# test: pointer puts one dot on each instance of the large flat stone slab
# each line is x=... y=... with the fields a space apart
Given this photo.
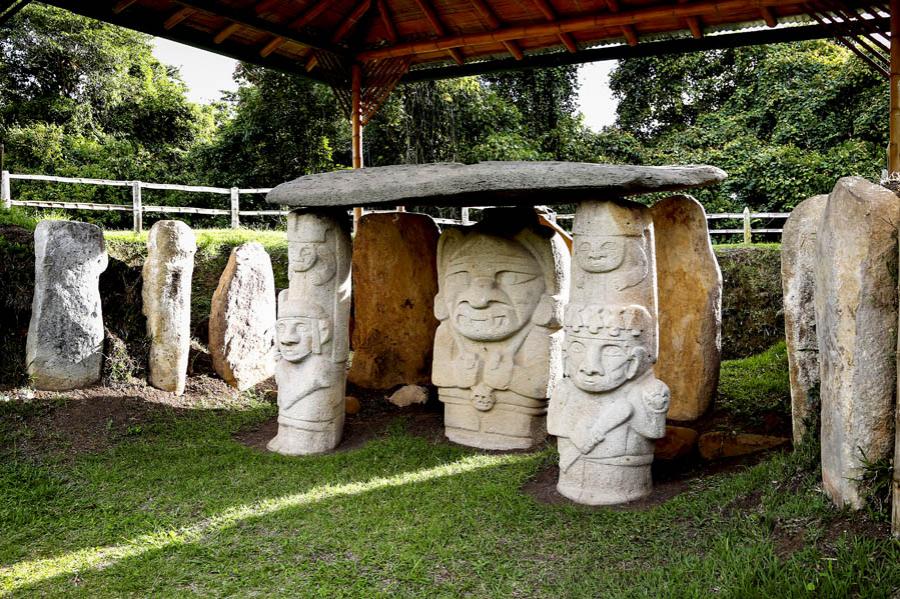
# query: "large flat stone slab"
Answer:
x=499 y=183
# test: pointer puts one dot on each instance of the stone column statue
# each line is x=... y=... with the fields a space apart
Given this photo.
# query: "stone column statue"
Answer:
x=497 y=351
x=312 y=334
x=609 y=407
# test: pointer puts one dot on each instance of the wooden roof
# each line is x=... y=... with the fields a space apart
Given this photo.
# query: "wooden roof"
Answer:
x=427 y=39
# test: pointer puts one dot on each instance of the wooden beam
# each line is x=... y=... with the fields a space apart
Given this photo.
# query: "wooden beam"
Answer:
x=177 y=17
x=273 y=45
x=494 y=23
x=438 y=27
x=312 y=63
x=226 y=32
x=350 y=21
x=584 y=23
x=120 y=6
x=661 y=48
x=248 y=18
x=768 y=16
x=695 y=27
x=388 y=22
x=550 y=14
x=630 y=35
x=894 y=116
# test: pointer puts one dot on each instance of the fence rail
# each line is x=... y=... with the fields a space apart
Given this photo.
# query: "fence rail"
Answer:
x=138 y=208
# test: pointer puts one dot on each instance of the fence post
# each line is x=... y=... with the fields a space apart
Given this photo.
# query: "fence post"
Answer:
x=235 y=209
x=5 y=193
x=137 y=208
x=748 y=235
x=465 y=216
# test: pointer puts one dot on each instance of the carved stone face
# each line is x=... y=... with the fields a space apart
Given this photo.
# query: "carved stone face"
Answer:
x=302 y=255
x=599 y=365
x=602 y=253
x=491 y=289
x=299 y=336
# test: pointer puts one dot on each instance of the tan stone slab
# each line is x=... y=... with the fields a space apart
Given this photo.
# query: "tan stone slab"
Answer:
x=690 y=306
x=394 y=284
x=717 y=445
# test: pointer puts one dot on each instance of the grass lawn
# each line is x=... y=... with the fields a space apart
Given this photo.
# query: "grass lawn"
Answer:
x=178 y=506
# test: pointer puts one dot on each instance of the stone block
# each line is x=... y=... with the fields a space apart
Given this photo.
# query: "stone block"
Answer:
x=242 y=318
x=690 y=306
x=856 y=326
x=798 y=267
x=394 y=284
x=64 y=348
x=678 y=442
x=717 y=445
x=166 y=292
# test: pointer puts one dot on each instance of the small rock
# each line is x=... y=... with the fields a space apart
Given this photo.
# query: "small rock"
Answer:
x=678 y=442
x=352 y=405
x=408 y=395
x=719 y=444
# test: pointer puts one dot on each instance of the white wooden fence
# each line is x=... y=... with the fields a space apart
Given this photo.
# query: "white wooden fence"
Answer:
x=138 y=208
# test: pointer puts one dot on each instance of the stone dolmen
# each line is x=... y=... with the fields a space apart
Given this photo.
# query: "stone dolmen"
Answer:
x=502 y=290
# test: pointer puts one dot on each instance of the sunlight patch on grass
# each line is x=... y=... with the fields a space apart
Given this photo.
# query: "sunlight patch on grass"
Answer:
x=30 y=572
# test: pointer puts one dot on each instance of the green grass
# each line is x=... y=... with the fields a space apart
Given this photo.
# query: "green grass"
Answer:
x=752 y=386
x=179 y=508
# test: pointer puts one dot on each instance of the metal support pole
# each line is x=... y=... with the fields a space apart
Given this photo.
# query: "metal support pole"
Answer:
x=748 y=234
x=894 y=145
x=5 y=192
x=137 y=209
x=356 y=127
x=235 y=209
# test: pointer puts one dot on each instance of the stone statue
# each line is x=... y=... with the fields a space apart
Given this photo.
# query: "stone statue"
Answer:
x=312 y=335
x=497 y=351
x=609 y=407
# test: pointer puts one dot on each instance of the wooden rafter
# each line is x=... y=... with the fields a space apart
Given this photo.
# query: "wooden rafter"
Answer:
x=304 y=19
x=694 y=25
x=438 y=27
x=178 y=16
x=628 y=32
x=389 y=28
x=249 y=18
x=550 y=15
x=120 y=6
x=225 y=32
x=768 y=16
x=874 y=59
x=494 y=23
x=583 y=23
x=350 y=21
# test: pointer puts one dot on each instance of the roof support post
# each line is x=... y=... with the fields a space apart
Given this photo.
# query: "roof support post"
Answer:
x=894 y=146
x=356 y=126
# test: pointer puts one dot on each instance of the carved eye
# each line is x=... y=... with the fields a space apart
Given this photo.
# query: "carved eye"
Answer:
x=576 y=348
x=458 y=277
x=511 y=277
x=585 y=247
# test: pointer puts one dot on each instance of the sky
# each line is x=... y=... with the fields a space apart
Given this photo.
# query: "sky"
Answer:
x=208 y=74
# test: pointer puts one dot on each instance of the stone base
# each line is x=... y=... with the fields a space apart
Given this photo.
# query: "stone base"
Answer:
x=499 y=428
x=592 y=483
x=293 y=440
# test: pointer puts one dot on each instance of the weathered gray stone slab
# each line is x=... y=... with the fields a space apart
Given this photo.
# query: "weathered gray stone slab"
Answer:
x=499 y=183
x=242 y=318
x=798 y=267
x=856 y=324
x=690 y=306
x=171 y=246
x=64 y=349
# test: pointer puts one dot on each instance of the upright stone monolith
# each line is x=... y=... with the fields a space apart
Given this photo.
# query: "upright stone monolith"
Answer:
x=242 y=318
x=394 y=284
x=690 y=306
x=312 y=334
x=609 y=407
x=497 y=352
x=167 y=302
x=856 y=325
x=798 y=267
x=64 y=349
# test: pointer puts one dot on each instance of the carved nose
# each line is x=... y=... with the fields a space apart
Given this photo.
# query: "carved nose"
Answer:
x=481 y=292
x=592 y=365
